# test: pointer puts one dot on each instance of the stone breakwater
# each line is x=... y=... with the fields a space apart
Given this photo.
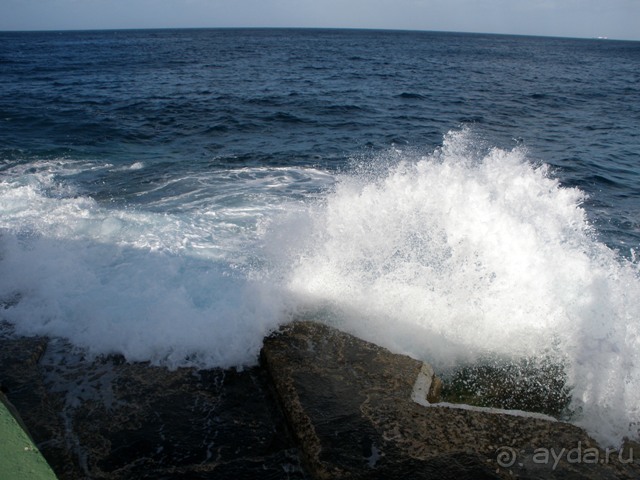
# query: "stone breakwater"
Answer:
x=322 y=404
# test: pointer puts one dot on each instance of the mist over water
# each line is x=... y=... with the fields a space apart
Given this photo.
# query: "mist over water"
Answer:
x=173 y=288
x=450 y=257
x=462 y=255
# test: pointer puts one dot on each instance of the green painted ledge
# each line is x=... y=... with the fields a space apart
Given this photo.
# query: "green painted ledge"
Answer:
x=20 y=459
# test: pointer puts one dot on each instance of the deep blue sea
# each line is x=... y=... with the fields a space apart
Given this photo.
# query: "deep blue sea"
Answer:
x=175 y=195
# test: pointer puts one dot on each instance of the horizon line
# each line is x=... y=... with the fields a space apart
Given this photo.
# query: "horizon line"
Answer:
x=373 y=29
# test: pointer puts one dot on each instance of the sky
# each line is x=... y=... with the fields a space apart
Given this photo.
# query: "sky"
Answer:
x=566 y=18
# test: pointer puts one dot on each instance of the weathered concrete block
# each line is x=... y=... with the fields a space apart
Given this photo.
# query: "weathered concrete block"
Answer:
x=359 y=411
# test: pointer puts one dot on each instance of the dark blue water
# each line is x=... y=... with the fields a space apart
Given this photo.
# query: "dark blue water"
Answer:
x=174 y=195
x=196 y=99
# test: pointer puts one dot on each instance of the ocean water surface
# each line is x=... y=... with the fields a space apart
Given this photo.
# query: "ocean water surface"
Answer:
x=175 y=195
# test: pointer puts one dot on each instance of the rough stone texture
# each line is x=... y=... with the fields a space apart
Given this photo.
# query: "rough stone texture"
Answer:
x=109 y=419
x=349 y=404
x=346 y=402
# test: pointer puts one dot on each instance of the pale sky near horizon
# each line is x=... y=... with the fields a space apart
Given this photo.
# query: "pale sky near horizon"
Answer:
x=566 y=18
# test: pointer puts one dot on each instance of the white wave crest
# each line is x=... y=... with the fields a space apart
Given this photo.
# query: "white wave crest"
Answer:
x=458 y=254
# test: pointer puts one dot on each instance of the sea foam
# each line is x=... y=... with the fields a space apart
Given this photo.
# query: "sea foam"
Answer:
x=464 y=254
x=175 y=289
x=454 y=256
